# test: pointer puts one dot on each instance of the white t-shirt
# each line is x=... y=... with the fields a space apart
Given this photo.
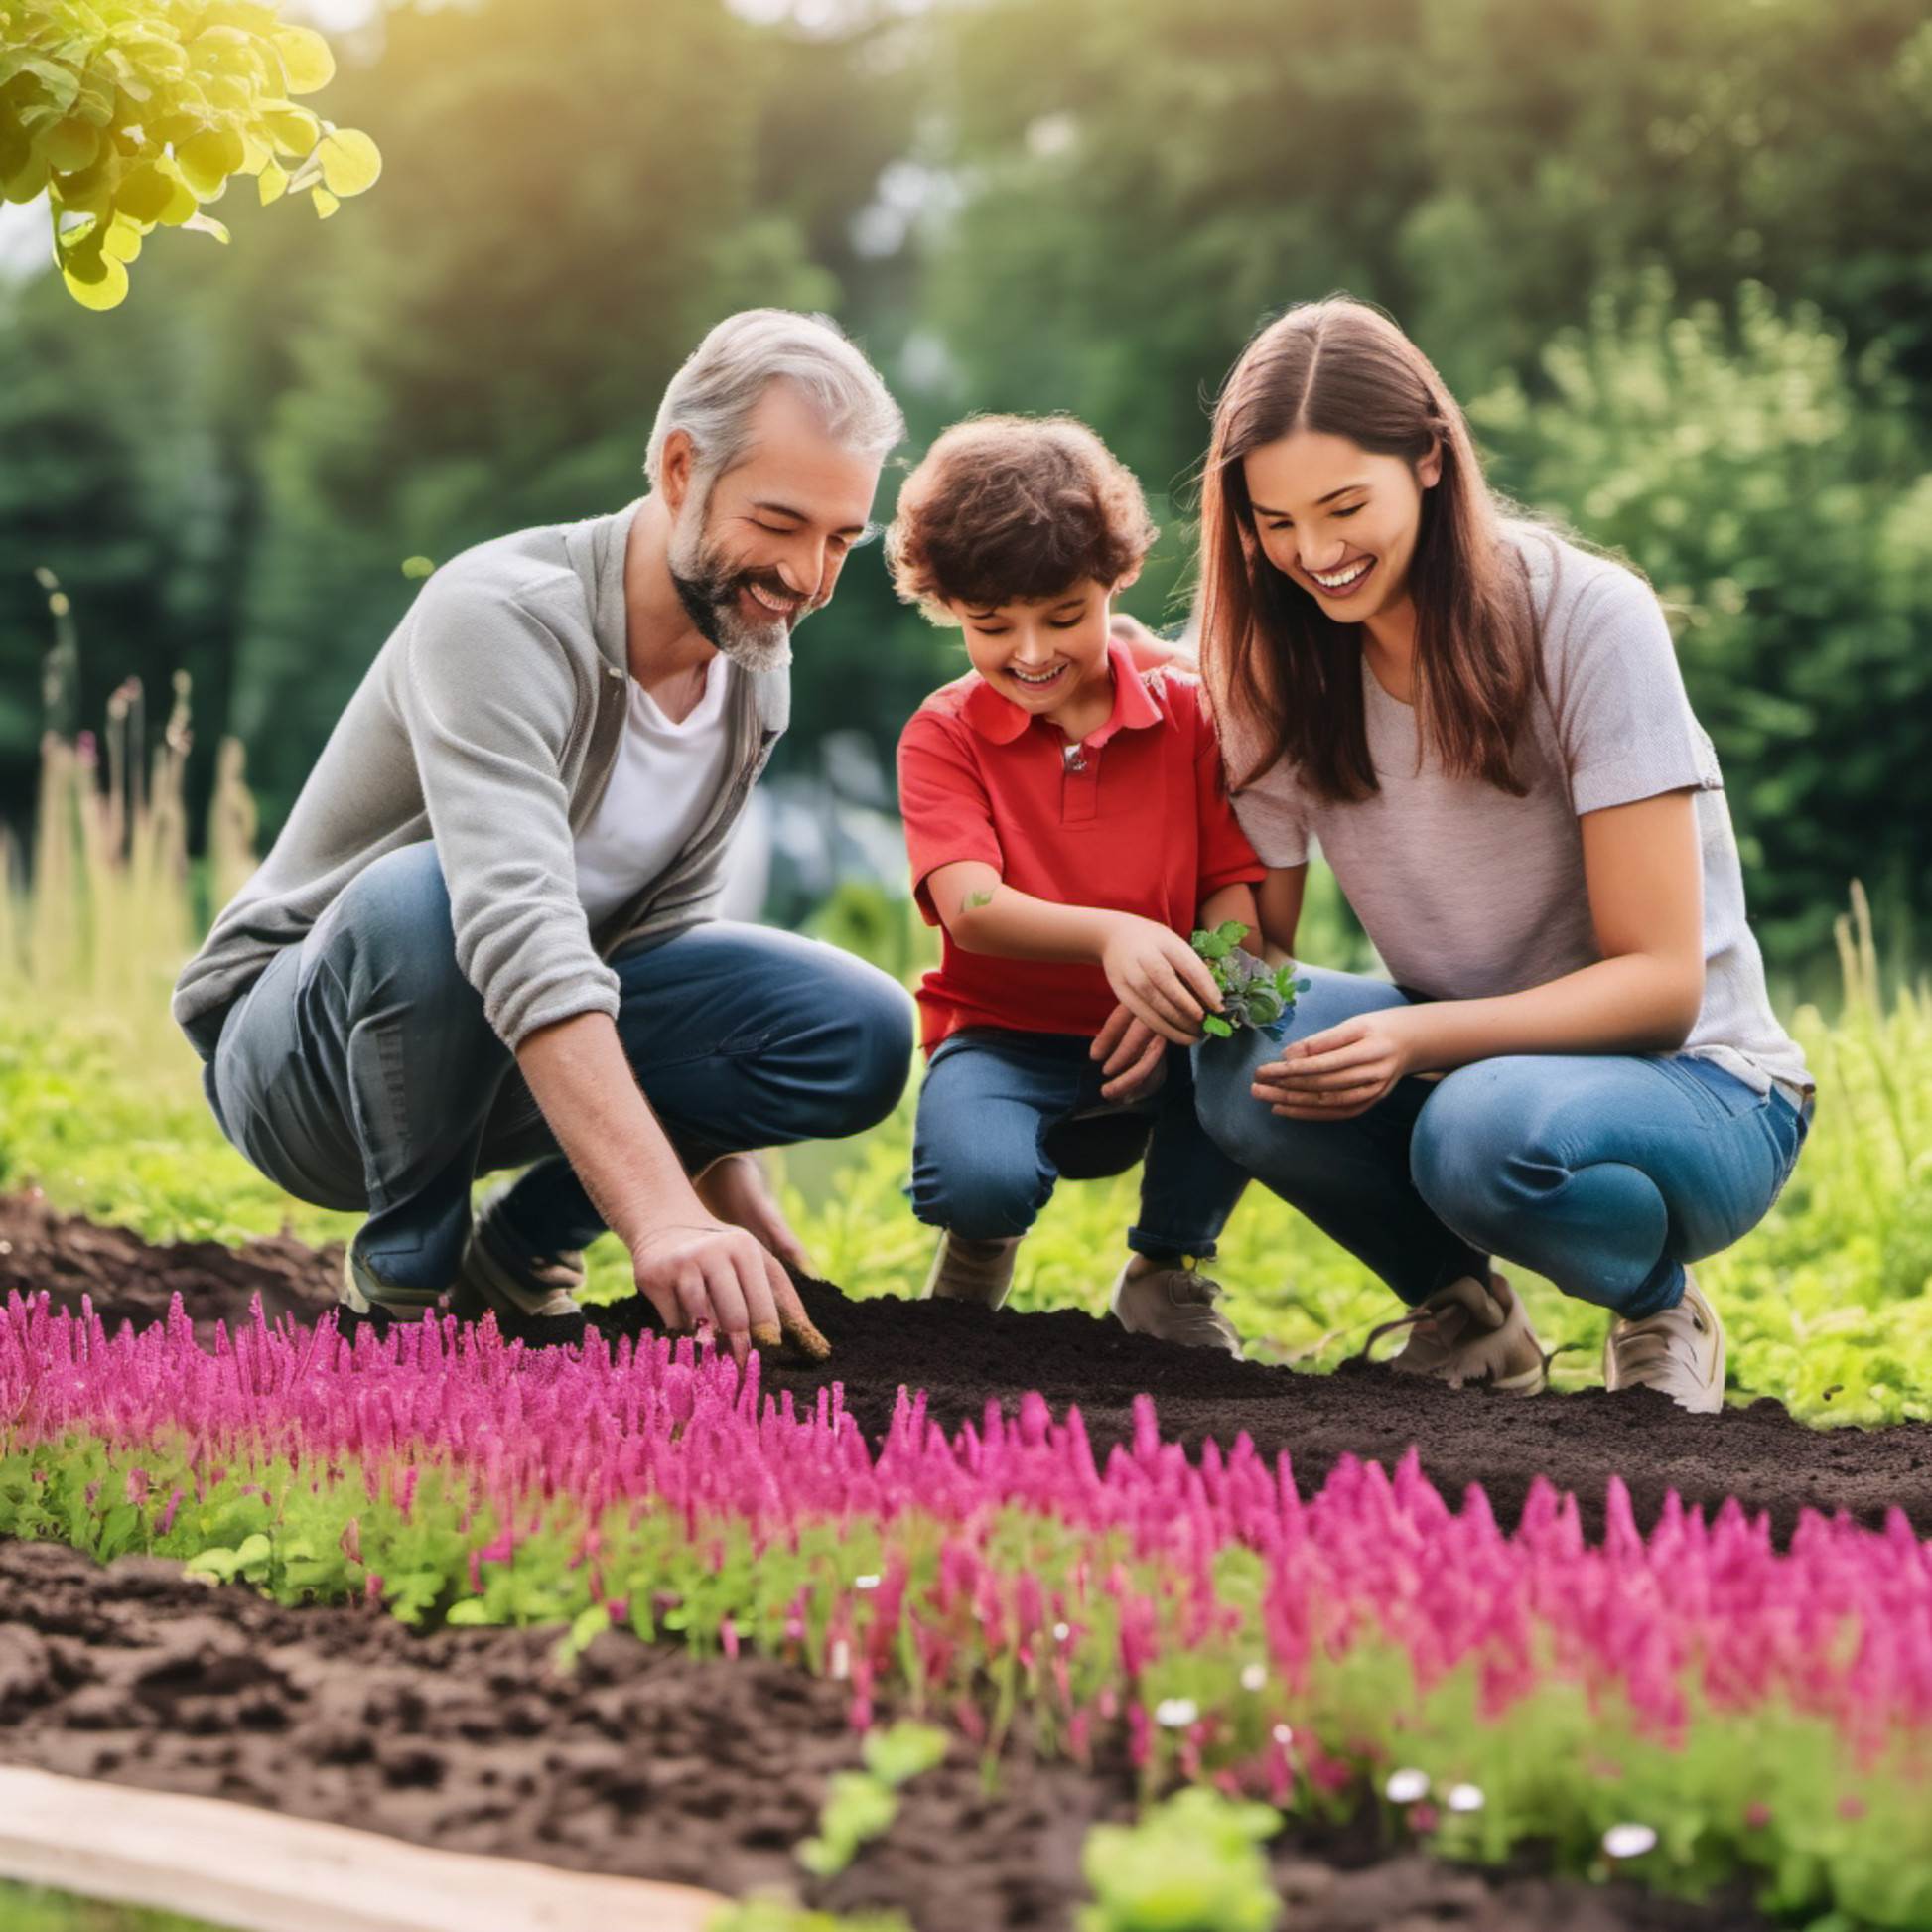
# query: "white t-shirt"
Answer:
x=666 y=779
x=1468 y=892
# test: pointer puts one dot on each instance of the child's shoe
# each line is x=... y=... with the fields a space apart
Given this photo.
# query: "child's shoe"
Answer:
x=1173 y=1302
x=970 y=1270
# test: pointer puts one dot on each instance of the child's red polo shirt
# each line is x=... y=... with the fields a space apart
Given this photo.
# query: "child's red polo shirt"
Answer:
x=1135 y=818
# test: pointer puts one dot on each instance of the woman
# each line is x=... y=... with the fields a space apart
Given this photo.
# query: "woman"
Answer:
x=1576 y=1069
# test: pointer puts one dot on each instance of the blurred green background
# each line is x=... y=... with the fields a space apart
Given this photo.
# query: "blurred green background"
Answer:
x=1675 y=255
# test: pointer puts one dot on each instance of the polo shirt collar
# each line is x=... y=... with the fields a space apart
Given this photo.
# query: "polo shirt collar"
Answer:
x=997 y=718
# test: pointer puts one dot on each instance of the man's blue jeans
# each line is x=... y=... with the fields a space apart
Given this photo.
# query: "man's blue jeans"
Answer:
x=1003 y=1115
x=358 y=1070
x=1604 y=1173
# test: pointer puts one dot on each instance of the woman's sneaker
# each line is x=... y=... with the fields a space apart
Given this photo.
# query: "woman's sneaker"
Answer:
x=1471 y=1332
x=1177 y=1305
x=970 y=1270
x=1680 y=1352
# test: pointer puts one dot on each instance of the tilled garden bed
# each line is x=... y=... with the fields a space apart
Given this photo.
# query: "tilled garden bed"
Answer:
x=642 y=1760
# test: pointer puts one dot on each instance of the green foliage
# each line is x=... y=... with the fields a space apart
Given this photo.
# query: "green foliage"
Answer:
x=1191 y=1864
x=780 y=1915
x=862 y=1804
x=1770 y=485
x=1253 y=992
x=135 y=113
x=36 y=1908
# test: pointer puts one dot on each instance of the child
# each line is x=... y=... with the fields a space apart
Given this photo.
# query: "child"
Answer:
x=1068 y=827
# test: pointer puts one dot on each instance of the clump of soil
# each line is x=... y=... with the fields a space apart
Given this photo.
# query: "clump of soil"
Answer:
x=638 y=1760
x=963 y=1357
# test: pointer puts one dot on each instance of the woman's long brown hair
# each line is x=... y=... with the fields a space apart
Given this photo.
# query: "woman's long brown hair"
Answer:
x=1274 y=659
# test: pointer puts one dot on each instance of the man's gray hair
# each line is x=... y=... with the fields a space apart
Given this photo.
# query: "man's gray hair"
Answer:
x=712 y=397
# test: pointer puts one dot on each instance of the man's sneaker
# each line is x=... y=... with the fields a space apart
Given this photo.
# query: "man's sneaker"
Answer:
x=363 y=1294
x=1175 y=1304
x=1680 y=1352
x=1471 y=1332
x=500 y=1275
x=970 y=1270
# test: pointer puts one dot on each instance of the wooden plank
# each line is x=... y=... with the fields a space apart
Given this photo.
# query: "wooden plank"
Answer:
x=239 y=1865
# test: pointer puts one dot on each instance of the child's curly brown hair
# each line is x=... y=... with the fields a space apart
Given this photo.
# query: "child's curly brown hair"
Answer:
x=1006 y=510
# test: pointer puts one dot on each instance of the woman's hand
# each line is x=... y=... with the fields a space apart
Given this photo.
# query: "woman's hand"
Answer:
x=1343 y=1071
x=1159 y=977
x=1132 y=1056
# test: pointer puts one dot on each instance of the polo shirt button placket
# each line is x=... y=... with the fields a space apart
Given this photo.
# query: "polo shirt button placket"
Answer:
x=1080 y=796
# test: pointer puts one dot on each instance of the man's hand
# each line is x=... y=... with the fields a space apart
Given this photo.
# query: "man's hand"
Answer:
x=1132 y=1054
x=1343 y=1071
x=1159 y=977
x=710 y=1278
x=737 y=1189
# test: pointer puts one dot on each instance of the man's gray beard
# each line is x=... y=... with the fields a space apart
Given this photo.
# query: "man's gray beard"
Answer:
x=709 y=592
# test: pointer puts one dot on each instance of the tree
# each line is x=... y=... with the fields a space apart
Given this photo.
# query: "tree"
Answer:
x=133 y=114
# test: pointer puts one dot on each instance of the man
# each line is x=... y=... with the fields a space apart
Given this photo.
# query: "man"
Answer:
x=486 y=937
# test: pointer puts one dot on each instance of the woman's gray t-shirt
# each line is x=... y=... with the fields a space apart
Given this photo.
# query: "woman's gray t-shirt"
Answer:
x=1468 y=892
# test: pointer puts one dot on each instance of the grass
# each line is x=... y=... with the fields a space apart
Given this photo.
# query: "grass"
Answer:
x=100 y=1108
x=35 y=1908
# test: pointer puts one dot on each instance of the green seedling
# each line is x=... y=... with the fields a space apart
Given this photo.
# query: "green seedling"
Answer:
x=1253 y=992
x=1191 y=1864
x=862 y=1804
x=780 y=1915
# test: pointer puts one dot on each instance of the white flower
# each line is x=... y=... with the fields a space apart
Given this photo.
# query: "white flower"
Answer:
x=1404 y=1787
x=865 y=1582
x=1061 y=1632
x=841 y=1658
x=1465 y=1797
x=1284 y=1737
x=1254 y=1676
x=1176 y=1713
x=1630 y=1840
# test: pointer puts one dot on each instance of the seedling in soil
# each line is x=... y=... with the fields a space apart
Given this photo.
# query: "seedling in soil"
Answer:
x=1191 y=1864
x=862 y=1804
x=1253 y=992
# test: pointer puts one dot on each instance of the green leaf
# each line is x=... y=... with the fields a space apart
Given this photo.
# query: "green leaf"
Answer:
x=305 y=58
x=1219 y=1027
x=70 y=146
x=350 y=161
x=903 y=1751
x=208 y=159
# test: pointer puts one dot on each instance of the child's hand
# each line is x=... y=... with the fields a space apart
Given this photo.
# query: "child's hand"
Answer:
x=1132 y=1056
x=1158 y=976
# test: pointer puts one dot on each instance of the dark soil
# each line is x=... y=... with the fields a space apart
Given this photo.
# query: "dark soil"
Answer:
x=648 y=1763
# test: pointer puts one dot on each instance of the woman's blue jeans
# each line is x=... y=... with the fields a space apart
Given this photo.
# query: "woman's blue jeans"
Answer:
x=1604 y=1173
x=1003 y=1115
x=358 y=1070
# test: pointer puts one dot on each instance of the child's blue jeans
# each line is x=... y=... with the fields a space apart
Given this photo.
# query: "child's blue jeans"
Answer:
x=1003 y=1115
x=1604 y=1173
x=358 y=1070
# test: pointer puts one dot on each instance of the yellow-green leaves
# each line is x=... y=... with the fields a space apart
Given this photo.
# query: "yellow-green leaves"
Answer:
x=350 y=162
x=130 y=114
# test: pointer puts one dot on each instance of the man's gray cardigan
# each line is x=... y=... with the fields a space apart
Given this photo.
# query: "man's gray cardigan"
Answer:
x=490 y=723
